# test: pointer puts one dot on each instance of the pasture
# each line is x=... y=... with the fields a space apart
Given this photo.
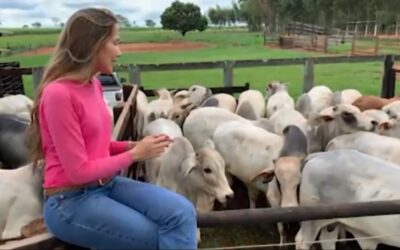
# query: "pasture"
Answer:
x=219 y=44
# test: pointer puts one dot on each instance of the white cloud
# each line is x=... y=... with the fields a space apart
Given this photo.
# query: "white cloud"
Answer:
x=19 y=12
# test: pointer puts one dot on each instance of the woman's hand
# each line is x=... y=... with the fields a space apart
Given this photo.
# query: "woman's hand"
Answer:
x=150 y=147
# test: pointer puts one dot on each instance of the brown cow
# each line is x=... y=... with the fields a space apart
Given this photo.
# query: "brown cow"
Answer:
x=373 y=102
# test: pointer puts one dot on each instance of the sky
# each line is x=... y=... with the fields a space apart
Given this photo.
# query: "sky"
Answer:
x=16 y=13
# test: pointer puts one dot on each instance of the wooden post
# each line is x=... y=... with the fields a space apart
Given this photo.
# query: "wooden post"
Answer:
x=134 y=74
x=353 y=44
x=389 y=78
x=326 y=41
x=228 y=73
x=376 y=30
x=397 y=28
x=366 y=29
x=356 y=28
x=37 y=74
x=347 y=30
x=376 y=50
x=308 y=75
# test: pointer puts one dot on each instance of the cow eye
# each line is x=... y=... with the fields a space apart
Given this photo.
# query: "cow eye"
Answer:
x=207 y=171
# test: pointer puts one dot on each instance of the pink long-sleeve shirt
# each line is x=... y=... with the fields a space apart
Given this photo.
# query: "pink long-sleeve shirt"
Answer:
x=76 y=129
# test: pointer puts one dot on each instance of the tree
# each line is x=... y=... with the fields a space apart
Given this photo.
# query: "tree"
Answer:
x=183 y=17
x=150 y=23
x=25 y=26
x=36 y=24
x=123 y=21
x=55 y=20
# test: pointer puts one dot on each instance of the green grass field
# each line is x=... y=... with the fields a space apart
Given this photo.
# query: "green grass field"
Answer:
x=223 y=45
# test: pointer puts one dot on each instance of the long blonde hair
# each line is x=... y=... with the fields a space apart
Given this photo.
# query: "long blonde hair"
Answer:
x=75 y=54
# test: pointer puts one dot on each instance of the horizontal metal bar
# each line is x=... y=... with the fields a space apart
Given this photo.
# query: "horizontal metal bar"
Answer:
x=295 y=214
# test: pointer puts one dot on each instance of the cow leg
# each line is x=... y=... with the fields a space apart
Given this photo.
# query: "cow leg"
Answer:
x=252 y=192
x=274 y=198
x=329 y=236
x=365 y=244
x=204 y=203
x=308 y=232
x=13 y=223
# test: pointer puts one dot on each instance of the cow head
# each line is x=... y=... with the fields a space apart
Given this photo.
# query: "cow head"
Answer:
x=274 y=87
x=209 y=174
x=347 y=118
x=288 y=176
x=198 y=93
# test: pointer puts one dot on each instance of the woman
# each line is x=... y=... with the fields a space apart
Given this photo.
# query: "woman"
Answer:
x=86 y=204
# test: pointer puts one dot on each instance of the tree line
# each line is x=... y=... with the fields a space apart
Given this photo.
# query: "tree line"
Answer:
x=326 y=13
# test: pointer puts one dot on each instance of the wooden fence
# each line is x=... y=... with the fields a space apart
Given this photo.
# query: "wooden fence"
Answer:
x=135 y=70
x=125 y=129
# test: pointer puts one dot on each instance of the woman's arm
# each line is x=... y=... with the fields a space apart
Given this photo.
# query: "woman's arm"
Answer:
x=117 y=147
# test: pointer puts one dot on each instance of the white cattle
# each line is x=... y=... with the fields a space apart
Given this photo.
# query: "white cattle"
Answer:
x=346 y=96
x=377 y=115
x=251 y=105
x=201 y=123
x=21 y=200
x=221 y=100
x=334 y=121
x=181 y=107
x=159 y=126
x=248 y=151
x=19 y=105
x=282 y=190
x=288 y=116
x=384 y=147
x=315 y=100
x=392 y=109
x=198 y=176
x=160 y=107
x=198 y=93
x=277 y=98
x=181 y=152
x=349 y=176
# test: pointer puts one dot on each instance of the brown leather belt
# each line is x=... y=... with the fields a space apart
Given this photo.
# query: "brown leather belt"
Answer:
x=100 y=182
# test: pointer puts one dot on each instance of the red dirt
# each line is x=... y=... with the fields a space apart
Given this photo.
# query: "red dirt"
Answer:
x=138 y=47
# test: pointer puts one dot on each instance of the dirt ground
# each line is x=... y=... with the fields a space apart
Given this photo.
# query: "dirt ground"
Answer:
x=138 y=47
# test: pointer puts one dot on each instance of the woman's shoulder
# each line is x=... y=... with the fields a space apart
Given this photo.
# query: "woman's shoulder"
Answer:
x=57 y=91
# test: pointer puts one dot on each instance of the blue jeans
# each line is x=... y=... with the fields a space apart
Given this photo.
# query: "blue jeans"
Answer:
x=123 y=214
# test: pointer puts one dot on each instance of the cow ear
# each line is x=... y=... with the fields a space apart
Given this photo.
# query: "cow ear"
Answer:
x=188 y=106
x=325 y=115
x=384 y=126
x=188 y=169
x=264 y=176
x=320 y=119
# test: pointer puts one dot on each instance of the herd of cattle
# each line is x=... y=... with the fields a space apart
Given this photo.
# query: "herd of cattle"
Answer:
x=323 y=148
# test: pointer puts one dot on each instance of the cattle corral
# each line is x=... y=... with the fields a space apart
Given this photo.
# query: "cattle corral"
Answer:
x=125 y=117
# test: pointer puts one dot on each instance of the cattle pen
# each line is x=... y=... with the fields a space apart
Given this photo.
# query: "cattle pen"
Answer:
x=124 y=129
